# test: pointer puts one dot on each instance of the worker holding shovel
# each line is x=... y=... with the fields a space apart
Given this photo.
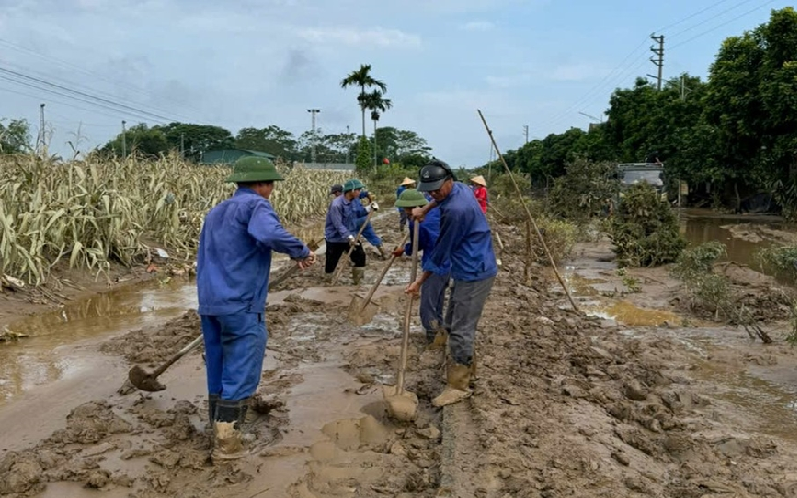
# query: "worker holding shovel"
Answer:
x=433 y=290
x=361 y=210
x=341 y=231
x=233 y=264
x=466 y=242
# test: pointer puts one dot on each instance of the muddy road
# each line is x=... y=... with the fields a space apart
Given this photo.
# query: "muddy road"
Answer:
x=632 y=398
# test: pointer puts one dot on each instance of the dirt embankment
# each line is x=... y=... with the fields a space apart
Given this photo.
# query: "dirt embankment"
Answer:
x=564 y=405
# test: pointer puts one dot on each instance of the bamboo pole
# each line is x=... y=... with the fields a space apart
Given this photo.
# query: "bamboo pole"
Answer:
x=531 y=218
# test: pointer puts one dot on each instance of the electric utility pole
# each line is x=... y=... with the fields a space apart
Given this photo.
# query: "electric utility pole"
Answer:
x=313 y=112
x=658 y=58
x=41 y=138
x=182 y=145
x=526 y=132
x=124 y=139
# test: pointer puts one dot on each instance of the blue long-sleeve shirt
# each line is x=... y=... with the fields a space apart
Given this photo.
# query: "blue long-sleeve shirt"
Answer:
x=234 y=257
x=340 y=222
x=368 y=232
x=428 y=233
x=465 y=239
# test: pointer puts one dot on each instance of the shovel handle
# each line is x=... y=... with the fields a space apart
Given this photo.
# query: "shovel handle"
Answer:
x=405 y=339
x=381 y=276
x=190 y=346
x=351 y=249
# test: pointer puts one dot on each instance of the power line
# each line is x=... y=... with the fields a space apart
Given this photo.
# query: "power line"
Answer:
x=713 y=18
x=691 y=16
x=83 y=94
x=721 y=25
x=87 y=72
x=77 y=98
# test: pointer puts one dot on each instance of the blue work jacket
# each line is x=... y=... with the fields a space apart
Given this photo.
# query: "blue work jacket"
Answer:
x=234 y=257
x=428 y=233
x=465 y=239
x=341 y=220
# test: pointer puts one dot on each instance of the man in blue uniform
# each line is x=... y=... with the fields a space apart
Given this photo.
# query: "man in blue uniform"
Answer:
x=233 y=265
x=465 y=241
x=433 y=290
x=369 y=233
x=340 y=233
x=407 y=183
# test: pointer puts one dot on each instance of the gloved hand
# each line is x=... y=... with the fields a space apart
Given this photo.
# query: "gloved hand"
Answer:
x=397 y=252
x=374 y=206
x=352 y=240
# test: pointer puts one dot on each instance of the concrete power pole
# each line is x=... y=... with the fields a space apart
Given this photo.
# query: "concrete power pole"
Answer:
x=182 y=145
x=41 y=138
x=526 y=132
x=124 y=139
x=313 y=112
x=658 y=58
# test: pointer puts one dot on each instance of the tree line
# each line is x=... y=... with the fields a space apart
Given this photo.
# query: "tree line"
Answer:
x=729 y=137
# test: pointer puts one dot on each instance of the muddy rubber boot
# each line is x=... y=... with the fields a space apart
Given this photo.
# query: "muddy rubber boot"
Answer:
x=458 y=387
x=357 y=275
x=228 y=441
x=439 y=341
x=382 y=252
x=213 y=399
x=245 y=420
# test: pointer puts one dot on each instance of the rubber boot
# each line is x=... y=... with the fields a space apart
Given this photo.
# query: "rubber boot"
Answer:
x=458 y=387
x=245 y=420
x=382 y=252
x=357 y=275
x=228 y=441
x=212 y=402
x=439 y=340
x=328 y=277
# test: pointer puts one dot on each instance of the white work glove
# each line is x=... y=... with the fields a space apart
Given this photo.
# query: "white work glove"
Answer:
x=352 y=241
x=374 y=206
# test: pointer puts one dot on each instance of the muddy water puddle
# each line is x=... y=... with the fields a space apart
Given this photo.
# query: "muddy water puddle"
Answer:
x=53 y=351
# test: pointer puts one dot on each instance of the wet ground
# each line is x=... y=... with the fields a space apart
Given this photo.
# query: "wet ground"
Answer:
x=635 y=399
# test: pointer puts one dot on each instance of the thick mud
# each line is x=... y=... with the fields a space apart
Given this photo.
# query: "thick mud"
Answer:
x=648 y=402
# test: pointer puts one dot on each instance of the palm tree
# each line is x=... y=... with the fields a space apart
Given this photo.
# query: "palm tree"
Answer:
x=362 y=78
x=376 y=102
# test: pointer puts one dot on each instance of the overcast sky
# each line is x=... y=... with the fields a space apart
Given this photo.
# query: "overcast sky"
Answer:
x=238 y=63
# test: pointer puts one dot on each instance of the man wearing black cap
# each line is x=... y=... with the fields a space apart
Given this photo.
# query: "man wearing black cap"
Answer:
x=466 y=242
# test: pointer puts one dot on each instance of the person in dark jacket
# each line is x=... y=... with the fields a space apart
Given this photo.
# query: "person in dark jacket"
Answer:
x=465 y=241
x=433 y=290
x=233 y=264
x=341 y=231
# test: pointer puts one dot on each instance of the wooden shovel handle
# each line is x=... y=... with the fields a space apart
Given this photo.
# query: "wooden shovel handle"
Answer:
x=405 y=340
x=381 y=276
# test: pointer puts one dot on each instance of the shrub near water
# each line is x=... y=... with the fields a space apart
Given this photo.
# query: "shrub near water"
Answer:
x=91 y=213
x=644 y=229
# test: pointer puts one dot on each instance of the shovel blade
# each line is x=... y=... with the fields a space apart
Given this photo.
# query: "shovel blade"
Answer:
x=143 y=380
x=359 y=315
x=401 y=406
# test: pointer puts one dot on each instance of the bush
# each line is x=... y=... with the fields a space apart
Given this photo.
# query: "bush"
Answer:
x=585 y=191
x=781 y=260
x=560 y=237
x=644 y=230
x=703 y=287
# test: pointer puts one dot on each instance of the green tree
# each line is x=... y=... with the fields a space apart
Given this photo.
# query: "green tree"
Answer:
x=271 y=139
x=140 y=140
x=363 y=155
x=363 y=79
x=376 y=102
x=196 y=139
x=15 y=137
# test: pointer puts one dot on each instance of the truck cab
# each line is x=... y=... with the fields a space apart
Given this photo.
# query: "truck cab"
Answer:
x=651 y=173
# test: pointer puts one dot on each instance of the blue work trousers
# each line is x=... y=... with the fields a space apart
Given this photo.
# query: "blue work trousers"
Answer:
x=235 y=346
x=433 y=298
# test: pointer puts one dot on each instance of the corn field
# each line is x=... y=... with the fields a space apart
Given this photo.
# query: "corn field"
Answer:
x=90 y=214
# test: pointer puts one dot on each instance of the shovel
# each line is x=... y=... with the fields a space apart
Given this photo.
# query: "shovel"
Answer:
x=362 y=311
x=403 y=405
x=148 y=381
x=351 y=249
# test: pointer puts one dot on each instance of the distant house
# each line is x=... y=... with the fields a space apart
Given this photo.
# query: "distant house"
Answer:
x=229 y=156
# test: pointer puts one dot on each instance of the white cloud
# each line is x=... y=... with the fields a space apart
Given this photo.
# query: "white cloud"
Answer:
x=478 y=26
x=378 y=37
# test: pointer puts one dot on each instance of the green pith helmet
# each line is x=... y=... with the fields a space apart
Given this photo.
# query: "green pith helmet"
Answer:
x=411 y=198
x=352 y=184
x=253 y=169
